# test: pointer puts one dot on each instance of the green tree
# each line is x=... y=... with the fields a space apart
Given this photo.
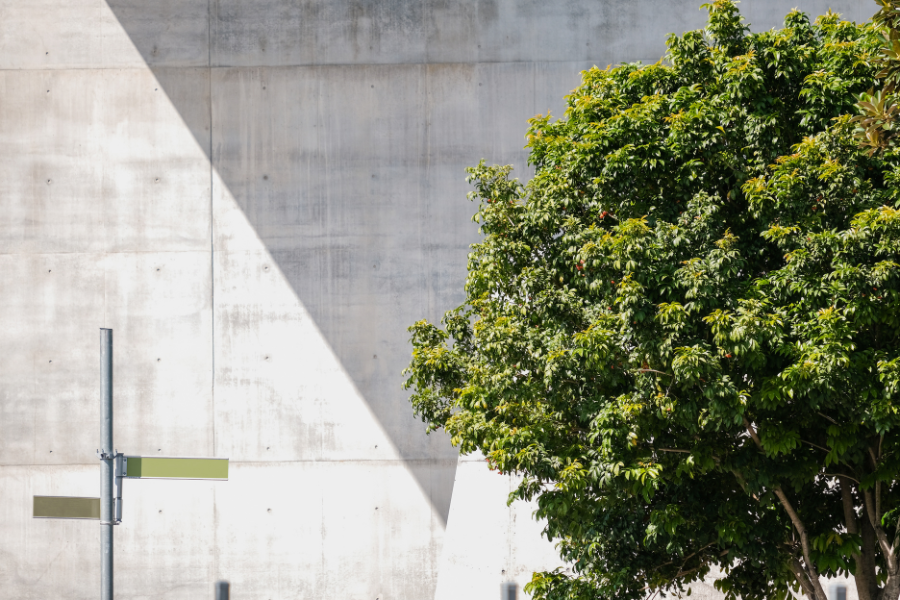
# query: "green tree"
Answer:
x=683 y=330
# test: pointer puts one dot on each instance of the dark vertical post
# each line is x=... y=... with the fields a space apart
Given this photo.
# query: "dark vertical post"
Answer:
x=509 y=591
x=222 y=590
x=107 y=471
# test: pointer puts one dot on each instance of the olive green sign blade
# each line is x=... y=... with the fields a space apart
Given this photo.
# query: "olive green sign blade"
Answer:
x=152 y=467
x=66 y=507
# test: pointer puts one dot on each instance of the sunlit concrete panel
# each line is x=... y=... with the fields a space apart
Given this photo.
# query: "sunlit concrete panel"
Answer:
x=327 y=530
x=164 y=547
x=167 y=545
x=87 y=34
x=488 y=543
x=47 y=558
x=159 y=307
x=100 y=161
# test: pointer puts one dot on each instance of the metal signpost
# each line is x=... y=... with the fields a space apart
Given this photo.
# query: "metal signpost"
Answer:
x=114 y=467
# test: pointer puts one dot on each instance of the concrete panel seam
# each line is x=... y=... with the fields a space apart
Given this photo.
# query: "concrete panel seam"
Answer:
x=645 y=60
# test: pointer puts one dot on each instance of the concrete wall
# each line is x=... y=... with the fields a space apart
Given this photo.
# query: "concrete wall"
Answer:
x=258 y=197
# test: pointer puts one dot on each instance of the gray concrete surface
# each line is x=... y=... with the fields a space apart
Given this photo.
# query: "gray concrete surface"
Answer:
x=258 y=197
x=509 y=545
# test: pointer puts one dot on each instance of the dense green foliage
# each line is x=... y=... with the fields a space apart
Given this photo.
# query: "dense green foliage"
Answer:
x=683 y=331
x=878 y=121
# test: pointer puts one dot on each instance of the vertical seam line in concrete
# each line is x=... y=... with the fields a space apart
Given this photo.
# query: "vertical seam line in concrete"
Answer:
x=212 y=273
x=212 y=246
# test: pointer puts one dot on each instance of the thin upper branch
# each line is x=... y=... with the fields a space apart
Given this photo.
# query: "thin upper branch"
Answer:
x=856 y=481
x=824 y=416
x=753 y=433
x=815 y=445
x=653 y=371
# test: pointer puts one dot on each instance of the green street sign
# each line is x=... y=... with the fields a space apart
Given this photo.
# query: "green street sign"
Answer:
x=66 y=507
x=152 y=467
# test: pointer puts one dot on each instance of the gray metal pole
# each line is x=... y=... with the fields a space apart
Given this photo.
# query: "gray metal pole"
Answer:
x=107 y=471
x=222 y=590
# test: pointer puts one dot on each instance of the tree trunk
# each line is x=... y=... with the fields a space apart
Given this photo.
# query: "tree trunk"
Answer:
x=891 y=590
x=866 y=581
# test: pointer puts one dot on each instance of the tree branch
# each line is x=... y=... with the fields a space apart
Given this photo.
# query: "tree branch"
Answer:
x=686 y=558
x=878 y=514
x=653 y=371
x=815 y=446
x=802 y=579
x=886 y=547
x=896 y=535
x=753 y=433
x=840 y=475
x=824 y=416
x=743 y=483
x=804 y=541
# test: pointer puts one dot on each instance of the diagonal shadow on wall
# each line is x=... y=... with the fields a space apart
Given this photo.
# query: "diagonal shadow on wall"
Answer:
x=342 y=131
x=346 y=173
